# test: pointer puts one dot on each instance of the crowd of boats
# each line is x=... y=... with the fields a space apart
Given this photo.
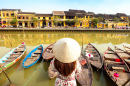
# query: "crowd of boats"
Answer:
x=115 y=63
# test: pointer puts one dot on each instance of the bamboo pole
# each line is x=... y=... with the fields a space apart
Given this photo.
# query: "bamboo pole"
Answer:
x=5 y=73
x=82 y=43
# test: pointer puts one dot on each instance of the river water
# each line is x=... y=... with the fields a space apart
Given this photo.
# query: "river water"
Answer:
x=37 y=75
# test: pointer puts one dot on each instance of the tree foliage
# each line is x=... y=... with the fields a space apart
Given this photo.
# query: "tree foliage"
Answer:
x=67 y=22
x=35 y=20
x=94 y=22
x=56 y=20
x=116 y=20
x=76 y=21
x=100 y=19
x=14 y=21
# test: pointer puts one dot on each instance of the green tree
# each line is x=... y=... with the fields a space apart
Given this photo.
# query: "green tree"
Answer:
x=8 y=22
x=76 y=21
x=35 y=20
x=73 y=22
x=67 y=22
x=94 y=22
x=56 y=20
x=116 y=20
x=100 y=19
x=60 y=22
x=14 y=21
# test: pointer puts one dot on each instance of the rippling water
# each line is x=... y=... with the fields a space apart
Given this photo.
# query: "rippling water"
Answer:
x=37 y=75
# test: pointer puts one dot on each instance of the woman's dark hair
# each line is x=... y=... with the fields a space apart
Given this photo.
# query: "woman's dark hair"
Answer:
x=64 y=69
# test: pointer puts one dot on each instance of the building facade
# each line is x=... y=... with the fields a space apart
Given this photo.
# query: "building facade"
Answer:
x=70 y=18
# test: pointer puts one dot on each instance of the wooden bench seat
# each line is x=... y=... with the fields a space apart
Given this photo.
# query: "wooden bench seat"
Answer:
x=109 y=52
x=9 y=60
x=120 y=68
x=34 y=55
x=124 y=55
x=119 y=51
x=15 y=54
x=127 y=60
x=110 y=56
x=112 y=62
x=38 y=52
x=19 y=50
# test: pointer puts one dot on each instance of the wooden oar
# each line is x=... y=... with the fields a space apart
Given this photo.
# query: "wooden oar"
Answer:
x=5 y=73
x=82 y=43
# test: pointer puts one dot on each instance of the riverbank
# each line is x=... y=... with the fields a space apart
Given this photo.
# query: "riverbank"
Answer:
x=63 y=29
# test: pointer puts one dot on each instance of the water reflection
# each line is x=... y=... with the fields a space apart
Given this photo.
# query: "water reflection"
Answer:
x=37 y=75
x=46 y=65
x=33 y=39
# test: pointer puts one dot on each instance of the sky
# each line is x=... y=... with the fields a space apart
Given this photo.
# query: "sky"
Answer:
x=47 y=6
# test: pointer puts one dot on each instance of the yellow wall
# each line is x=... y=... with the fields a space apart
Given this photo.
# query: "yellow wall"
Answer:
x=6 y=18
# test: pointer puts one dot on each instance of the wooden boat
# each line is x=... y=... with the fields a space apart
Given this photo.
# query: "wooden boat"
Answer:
x=127 y=49
x=33 y=57
x=48 y=52
x=122 y=54
x=94 y=56
x=116 y=68
x=85 y=78
x=12 y=57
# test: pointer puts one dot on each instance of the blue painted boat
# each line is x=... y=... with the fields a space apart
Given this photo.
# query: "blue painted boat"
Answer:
x=12 y=57
x=33 y=57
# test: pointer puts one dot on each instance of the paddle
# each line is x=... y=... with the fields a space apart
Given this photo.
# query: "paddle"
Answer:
x=5 y=73
x=11 y=84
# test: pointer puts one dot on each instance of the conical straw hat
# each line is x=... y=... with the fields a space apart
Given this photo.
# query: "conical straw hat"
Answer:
x=66 y=50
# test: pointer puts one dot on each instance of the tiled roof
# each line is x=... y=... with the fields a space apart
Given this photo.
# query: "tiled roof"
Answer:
x=44 y=15
x=77 y=11
x=69 y=13
x=91 y=13
x=26 y=13
x=58 y=13
x=11 y=9
x=121 y=14
x=80 y=15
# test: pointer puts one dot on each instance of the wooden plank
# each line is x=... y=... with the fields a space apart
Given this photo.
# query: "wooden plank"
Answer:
x=124 y=55
x=127 y=60
x=9 y=60
x=34 y=55
x=38 y=52
x=109 y=52
x=15 y=54
x=119 y=51
x=18 y=50
x=112 y=62
x=121 y=68
x=110 y=56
